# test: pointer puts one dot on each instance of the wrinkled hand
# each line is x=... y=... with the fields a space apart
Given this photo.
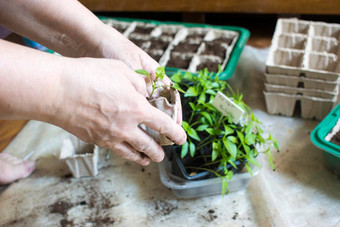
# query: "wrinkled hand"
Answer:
x=116 y=46
x=103 y=102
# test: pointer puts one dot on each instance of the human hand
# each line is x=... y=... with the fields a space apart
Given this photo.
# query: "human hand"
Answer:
x=114 y=45
x=103 y=102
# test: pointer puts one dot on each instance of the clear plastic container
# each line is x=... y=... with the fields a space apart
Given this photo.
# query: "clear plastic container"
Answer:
x=190 y=189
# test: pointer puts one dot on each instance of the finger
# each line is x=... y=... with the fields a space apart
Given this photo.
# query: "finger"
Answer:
x=162 y=123
x=18 y=171
x=137 y=82
x=179 y=109
x=126 y=151
x=144 y=143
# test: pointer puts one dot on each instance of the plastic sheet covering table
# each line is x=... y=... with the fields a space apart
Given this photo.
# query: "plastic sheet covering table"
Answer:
x=301 y=192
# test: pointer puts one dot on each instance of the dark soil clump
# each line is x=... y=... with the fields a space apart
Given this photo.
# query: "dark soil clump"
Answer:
x=60 y=207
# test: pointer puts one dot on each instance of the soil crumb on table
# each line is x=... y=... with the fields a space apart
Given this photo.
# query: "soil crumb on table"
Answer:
x=60 y=207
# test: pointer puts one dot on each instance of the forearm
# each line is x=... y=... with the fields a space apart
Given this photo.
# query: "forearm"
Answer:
x=29 y=83
x=65 y=26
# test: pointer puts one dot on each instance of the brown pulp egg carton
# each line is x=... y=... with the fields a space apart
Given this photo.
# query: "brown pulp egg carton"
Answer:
x=177 y=46
x=305 y=48
x=303 y=65
x=311 y=107
x=80 y=157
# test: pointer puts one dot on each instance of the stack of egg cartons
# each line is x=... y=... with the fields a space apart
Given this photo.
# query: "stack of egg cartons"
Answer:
x=303 y=65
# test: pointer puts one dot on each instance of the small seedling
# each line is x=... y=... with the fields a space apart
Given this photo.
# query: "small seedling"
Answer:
x=160 y=73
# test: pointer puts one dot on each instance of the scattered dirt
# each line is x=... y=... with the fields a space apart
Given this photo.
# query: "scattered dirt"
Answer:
x=60 y=207
x=66 y=223
x=235 y=216
x=164 y=207
x=100 y=221
x=210 y=216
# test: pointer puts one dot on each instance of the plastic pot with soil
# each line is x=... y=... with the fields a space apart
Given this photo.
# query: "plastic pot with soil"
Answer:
x=220 y=143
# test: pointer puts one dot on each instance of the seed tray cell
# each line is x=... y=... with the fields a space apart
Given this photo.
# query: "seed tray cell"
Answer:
x=179 y=43
x=302 y=82
x=311 y=107
x=325 y=45
x=325 y=30
x=293 y=26
x=323 y=62
x=297 y=42
x=201 y=62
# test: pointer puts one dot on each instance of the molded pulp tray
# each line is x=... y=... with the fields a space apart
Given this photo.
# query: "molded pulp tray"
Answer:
x=305 y=48
x=318 y=135
x=191 y=189
x=183 y=46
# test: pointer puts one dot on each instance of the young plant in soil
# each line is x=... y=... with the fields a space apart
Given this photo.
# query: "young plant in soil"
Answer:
x=160 y=73
x=213 y=136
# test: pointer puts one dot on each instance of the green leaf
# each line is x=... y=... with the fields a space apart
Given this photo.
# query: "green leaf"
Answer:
x=192 y=149
x=185 y=125
x=193 y=106
x=184 y=150
x=232 y=163
x=202 y=128
x=160 y=72
x=240 y=136
x=177 y=87
x=191 y=92
x=143 y=72
x=249 y=169
x=215 y=151
x=250 y=139
x=210 y=131
x=225 y=189
x=176 y=78
x=231 y=147
x=201 y=98
x=211 y=92
x=232 y=139
x=270 y=158
x=252 y=160
x=229 y=175
x=207 y=116
x=228 y=130
x=193 y=134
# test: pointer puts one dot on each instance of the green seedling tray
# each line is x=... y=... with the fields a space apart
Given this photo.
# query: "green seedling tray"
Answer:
x=229 y=69
x=331 y=150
